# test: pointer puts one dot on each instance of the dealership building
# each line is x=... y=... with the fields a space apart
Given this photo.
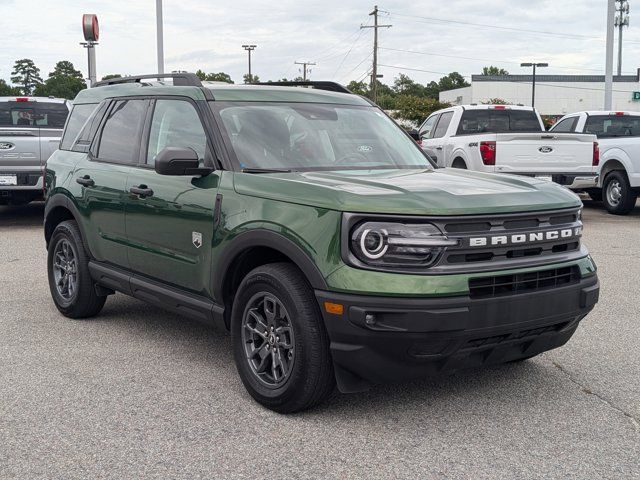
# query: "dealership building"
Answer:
x=556 y=95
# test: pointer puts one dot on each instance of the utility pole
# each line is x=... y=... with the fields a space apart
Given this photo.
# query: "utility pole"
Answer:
x=374 y=71
x=159 y=36
x=249 y=49
x=608 y=73
x=621 y=21
x=304 y=68
x=533 y=82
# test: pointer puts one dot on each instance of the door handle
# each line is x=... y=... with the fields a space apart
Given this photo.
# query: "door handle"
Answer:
x=142 y=191
x=85 y=181
x=438 y=148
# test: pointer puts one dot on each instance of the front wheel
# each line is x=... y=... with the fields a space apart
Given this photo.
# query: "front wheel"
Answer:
x=618 y=196
x=281 y=347
x=72 y=288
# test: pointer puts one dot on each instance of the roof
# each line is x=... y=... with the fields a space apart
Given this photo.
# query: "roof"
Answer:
x=221 y=92
x=554 y=78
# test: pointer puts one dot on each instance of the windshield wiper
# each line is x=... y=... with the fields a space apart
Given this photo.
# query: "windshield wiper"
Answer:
x=266 y=170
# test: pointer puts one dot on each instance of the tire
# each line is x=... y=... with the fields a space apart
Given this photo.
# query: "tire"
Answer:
x=272 y=299
x=459 y=163
x=66 y=248
x=595 y=195
x=618 y=196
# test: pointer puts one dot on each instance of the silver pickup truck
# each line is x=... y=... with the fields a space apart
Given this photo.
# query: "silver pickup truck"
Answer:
x=30 y=131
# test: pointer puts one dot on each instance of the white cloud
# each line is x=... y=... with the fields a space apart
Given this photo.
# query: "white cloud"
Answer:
x=209 y=35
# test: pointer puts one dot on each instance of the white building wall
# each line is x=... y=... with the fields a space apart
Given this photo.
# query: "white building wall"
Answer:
x=552 y=98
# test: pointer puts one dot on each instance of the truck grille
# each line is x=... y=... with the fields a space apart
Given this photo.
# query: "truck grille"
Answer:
x=488 y=287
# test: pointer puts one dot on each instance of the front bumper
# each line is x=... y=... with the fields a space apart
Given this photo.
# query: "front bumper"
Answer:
x=386 y=339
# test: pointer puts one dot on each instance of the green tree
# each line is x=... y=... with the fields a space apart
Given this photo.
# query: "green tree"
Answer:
x=403 y=85
x=214 y=77
x=415 y=109
x=111 y=76
x=495 y=101
x=246 y=78
x=359 y=88
x=64 y=82
x=491 y=70
x=7 y=90
x=26 y=74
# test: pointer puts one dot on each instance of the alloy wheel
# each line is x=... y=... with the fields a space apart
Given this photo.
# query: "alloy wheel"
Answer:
x=267 y=336
x=65 y=270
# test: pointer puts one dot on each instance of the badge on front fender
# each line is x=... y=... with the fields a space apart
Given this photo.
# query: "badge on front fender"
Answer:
x=196 y=238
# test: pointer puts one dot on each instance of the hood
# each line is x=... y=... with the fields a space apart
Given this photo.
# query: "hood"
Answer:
x=413 y=192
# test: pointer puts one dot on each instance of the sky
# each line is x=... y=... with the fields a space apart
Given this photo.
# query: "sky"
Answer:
x=427 y=39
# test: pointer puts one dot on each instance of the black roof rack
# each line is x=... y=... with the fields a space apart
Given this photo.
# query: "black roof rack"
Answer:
x=182 y=79
x=318 y=85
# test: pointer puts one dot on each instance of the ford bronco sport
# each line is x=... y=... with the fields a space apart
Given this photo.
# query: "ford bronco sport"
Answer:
x=312 y=227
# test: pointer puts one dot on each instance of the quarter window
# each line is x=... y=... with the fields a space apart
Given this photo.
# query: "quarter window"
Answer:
x=175 y=124
x=77 y=119
x=120 y=140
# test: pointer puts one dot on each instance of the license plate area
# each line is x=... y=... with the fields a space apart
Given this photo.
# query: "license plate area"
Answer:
x=8 y=180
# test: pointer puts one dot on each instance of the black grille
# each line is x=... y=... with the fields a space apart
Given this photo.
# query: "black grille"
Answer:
x=487 y=287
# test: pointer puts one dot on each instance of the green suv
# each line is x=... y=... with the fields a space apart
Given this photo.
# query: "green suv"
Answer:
x=313 y=228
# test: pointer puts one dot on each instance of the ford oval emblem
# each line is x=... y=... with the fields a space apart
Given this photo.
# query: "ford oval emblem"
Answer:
x=6 y=145
x=365 y=148
x=545 y=149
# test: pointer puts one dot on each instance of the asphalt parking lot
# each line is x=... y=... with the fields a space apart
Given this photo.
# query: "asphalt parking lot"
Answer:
x=139 y=392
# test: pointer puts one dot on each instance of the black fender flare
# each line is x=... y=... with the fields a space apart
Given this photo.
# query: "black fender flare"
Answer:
x=62 y=200
x=261 y=237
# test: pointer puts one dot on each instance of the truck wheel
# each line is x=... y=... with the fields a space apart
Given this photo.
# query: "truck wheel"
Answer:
x=618 y=196
x=280 y=345
x=72 y=288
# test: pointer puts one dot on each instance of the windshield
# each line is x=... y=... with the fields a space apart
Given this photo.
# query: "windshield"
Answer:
x=33 y=114
x=604 y=126
x=306 y=136
x=498 y=121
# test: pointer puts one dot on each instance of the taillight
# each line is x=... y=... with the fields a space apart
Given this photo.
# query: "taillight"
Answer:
x=488 y=152
x=596 y=154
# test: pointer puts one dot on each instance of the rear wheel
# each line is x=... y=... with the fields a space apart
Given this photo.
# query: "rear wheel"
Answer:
x=72 y=288
x=280 y=345
x=618 y=196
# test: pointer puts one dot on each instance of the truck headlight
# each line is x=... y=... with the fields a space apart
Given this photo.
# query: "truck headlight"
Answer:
x=394 y=244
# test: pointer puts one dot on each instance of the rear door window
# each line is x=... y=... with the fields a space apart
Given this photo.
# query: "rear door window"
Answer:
x=31 y=114
x=122 y=131
x=609 y=126
x=565 y=126
x=443 y=125
x=498 y=121
x=427 y=126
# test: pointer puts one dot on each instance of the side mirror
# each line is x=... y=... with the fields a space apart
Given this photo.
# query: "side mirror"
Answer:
x=179 y=161
x=415 y=134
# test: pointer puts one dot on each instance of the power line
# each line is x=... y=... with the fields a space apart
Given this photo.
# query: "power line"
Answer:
x=348 y=52
x=499 y=27
x=419 y=70
x=356 y=67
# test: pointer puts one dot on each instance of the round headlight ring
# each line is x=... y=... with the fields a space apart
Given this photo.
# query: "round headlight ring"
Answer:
x=379 y=238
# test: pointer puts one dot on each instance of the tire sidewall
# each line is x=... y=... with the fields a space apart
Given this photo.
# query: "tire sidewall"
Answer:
x=627 y=201
x=264 y=282
x=59 y=236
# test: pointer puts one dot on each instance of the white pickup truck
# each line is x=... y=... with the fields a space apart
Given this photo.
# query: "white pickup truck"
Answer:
x=507 y=139
x=618 y=134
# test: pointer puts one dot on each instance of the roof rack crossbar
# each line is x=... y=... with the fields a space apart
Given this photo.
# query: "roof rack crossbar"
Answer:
x=182 y=79
x=318 y=85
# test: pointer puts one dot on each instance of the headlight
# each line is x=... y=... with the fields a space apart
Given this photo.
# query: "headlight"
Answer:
x=398 y=244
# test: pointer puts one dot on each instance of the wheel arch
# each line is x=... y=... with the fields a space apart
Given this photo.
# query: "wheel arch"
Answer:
x=610 y=165
x=58 y=209
x=253 y=249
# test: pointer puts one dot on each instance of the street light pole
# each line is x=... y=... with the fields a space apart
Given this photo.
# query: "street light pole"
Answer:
x=608 y=72
x=533 y=82
x=159 y=36
x=249 y=49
